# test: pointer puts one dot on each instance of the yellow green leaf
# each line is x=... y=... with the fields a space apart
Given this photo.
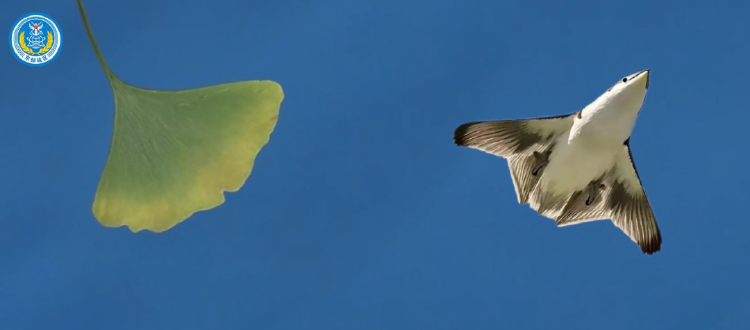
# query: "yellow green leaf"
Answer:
x=175 y=152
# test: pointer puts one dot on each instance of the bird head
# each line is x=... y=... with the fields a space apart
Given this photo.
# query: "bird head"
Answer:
x=629 y=92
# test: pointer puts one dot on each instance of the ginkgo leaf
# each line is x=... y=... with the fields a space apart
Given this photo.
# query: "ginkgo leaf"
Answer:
x=175 y=152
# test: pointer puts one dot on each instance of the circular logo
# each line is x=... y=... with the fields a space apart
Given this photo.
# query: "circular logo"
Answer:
x=36 y=39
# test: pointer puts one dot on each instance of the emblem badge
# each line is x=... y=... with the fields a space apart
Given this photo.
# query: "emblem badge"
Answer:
x=36 y=39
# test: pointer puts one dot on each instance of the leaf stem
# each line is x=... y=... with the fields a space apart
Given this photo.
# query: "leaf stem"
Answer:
x=98 y=52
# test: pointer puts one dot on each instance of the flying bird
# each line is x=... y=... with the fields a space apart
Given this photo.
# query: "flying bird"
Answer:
x=577 y=167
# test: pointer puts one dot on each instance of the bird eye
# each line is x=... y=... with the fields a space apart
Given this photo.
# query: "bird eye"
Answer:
x=625 y=79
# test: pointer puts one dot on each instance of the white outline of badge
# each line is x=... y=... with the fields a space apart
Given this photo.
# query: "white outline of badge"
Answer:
x=15 y=46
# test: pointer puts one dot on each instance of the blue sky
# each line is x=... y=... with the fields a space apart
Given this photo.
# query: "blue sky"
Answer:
x=361 y=213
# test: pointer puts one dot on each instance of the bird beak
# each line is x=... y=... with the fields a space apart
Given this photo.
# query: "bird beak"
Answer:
x=642 y=78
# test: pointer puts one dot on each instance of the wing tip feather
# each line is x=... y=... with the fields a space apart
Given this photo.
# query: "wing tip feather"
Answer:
x=652 y=244
x=462 y=132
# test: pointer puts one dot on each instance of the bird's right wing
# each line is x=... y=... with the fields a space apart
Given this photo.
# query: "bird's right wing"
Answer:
x=629 y=206
x=517 y=141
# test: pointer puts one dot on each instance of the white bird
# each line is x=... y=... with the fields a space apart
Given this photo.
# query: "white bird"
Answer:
x=578 y=167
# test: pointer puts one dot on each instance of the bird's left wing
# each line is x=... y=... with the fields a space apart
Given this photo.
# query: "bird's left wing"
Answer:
x=522 y=142
x=629 y=207
x=506 y=138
